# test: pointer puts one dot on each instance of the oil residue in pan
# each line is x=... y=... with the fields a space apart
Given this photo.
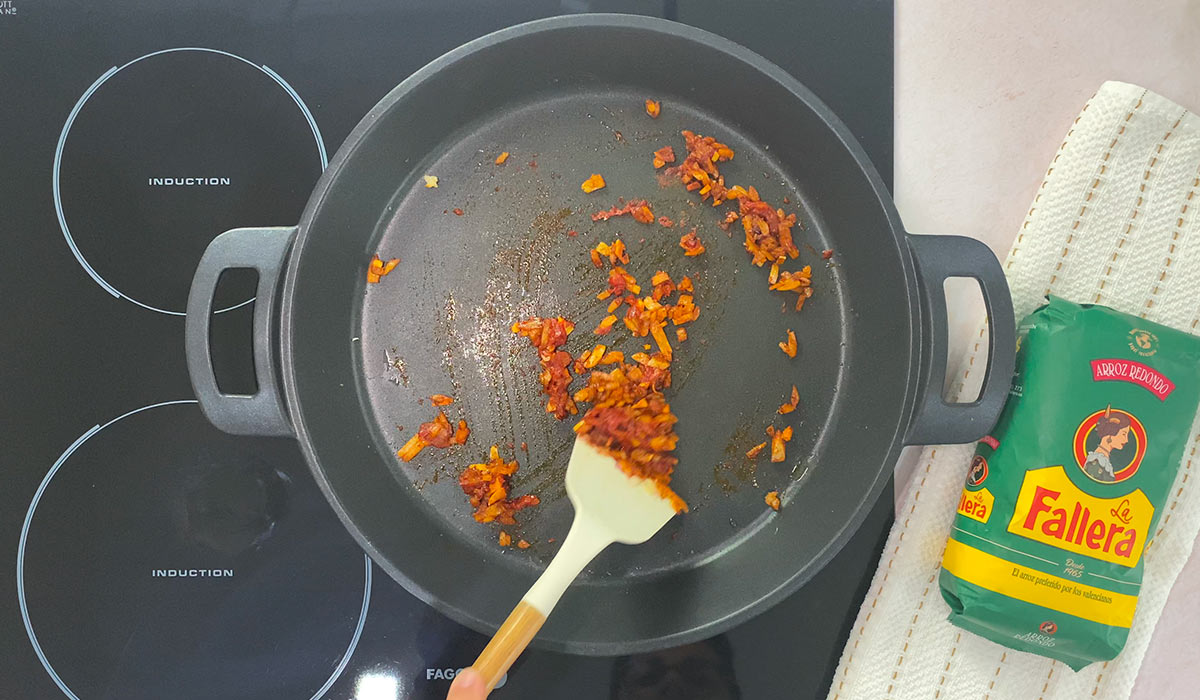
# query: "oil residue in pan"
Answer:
x=446 y=332
x=548 y=477
x=737 y=470
x=395 y=368
x=518 y=285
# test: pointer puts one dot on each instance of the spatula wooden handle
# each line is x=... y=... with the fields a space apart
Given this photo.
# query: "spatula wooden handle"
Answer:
x=508 y=643
x=584 y=541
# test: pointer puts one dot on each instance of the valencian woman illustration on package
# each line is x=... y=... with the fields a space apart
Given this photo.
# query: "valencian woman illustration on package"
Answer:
x=1061 y=501
x=1111 y=432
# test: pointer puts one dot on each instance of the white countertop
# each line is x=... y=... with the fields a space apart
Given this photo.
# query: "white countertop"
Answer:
x=984 y=94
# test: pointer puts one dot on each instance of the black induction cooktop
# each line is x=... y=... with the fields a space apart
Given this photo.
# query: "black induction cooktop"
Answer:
x=148 y=555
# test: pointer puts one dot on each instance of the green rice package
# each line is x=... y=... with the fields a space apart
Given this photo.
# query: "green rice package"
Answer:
x=1064 y=497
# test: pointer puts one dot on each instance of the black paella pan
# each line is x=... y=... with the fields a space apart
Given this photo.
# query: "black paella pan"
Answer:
x=341 y=364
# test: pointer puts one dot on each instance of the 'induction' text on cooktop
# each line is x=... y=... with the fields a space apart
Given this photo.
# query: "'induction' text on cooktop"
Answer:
x=188 y=181
x=191 y=573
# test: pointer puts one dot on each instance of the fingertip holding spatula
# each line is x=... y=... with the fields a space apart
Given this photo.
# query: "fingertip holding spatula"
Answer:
x=610 y=506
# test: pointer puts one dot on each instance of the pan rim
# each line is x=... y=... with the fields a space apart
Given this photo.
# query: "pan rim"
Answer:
x=360 y=136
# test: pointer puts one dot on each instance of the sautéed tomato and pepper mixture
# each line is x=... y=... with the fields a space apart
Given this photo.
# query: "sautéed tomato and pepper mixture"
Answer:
x=626 y=411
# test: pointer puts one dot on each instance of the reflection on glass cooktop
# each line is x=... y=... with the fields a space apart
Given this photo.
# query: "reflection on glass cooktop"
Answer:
x=158 y=557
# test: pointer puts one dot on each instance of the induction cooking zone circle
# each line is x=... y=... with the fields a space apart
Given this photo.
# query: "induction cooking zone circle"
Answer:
x=162 y=558
x=162 y=154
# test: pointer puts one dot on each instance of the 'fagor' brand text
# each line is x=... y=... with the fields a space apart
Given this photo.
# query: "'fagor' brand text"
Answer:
x=448 y=674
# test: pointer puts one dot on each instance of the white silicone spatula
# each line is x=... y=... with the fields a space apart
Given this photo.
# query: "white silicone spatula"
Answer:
x=610 y=506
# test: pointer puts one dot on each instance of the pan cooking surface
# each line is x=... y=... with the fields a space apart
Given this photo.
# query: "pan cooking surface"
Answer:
x=440 y=322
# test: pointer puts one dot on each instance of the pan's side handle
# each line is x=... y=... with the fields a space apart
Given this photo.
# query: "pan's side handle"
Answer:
x=938 y=258
x=264 y=250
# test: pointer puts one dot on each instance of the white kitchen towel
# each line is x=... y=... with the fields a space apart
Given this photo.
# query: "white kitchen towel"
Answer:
x=1116 y=221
